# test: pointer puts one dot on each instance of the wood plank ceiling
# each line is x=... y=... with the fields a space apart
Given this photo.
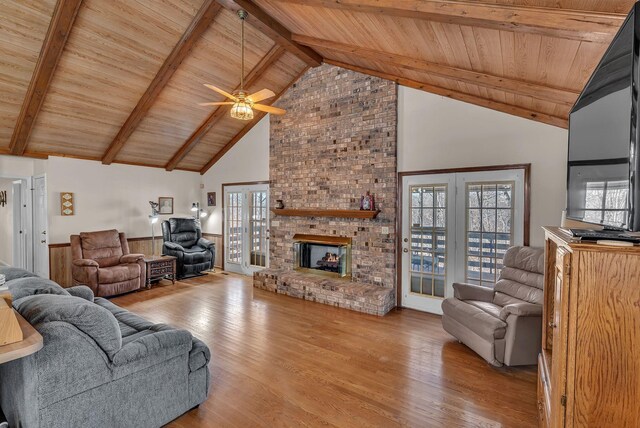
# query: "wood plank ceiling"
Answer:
x=119 y=80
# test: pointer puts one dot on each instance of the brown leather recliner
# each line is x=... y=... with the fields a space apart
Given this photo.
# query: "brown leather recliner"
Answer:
x=502 y=324
x=101 y=261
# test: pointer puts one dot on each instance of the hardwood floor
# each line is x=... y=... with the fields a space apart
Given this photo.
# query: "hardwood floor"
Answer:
x=281 y=361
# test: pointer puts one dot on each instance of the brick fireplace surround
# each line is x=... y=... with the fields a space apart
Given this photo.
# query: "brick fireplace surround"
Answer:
x=336 y=142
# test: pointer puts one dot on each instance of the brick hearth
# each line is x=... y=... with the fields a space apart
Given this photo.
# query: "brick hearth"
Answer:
x=336 y=142
x=359 y=297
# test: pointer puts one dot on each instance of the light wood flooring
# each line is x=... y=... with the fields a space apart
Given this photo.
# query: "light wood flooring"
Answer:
x=281 y=361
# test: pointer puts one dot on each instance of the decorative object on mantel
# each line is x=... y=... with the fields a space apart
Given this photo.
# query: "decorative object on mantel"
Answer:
x=279 y=204
x=317 y=212
x=368 y=202
x=153 y=218
x=66 y=204
x=211 y=199
x=165 y=205
x=3 y=198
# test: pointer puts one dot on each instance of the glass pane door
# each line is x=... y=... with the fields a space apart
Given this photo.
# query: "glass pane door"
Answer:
x=428 y=239
x=489 y=208
x=258 y=228
x=428 y=220
x=246 y=228
x=234 y=232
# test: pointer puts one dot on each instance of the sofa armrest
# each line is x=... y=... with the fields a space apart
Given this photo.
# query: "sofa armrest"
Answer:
x=154 y=344
x=199 y=356
x=131 y=258
x=85 y=263
x=81 y=291
x=463 y=291
x=173 y=246
x=521 y=310
x=205 y=243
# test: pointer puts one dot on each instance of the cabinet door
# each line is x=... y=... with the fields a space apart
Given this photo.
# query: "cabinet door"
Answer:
x=559 y=325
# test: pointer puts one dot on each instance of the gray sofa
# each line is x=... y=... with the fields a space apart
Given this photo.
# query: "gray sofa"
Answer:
x=502 y=324
x=101 y=366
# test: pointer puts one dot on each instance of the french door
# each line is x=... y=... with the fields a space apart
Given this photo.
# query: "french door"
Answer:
x=456 y=228
x=246 y=218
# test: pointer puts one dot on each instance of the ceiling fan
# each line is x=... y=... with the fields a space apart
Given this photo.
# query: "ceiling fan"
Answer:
x=244 y=103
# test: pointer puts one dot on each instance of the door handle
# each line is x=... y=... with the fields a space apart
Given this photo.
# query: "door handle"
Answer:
x=405 y=250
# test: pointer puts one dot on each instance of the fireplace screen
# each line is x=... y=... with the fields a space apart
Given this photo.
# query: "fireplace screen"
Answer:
x=325 y=255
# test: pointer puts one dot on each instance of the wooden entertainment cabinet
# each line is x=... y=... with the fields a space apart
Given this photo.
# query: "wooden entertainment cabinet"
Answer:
x=589 y=367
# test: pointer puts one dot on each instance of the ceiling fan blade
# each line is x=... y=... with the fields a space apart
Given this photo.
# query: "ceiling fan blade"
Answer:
x=269 y=109
x=220 y=91
x=227 y=103
x=261 y=95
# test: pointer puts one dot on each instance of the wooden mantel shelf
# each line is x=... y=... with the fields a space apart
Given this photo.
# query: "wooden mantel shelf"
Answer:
x=317 y=212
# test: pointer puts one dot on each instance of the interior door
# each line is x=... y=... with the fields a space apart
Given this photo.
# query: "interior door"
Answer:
x=40 y=225
x=427 y=233
x=246 y=228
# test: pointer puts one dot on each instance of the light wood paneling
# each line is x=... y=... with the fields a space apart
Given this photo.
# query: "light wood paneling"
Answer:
x=23 y=26
x=60 y=255
x=215 y=59
x=279 y=361
x=205 y=16
x=115 y=49
x=278 y=78
x=560 y=64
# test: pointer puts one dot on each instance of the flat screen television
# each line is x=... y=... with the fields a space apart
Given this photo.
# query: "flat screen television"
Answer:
x=603 y=174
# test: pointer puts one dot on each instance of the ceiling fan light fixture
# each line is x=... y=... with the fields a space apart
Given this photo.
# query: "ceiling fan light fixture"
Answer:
x=242 y=110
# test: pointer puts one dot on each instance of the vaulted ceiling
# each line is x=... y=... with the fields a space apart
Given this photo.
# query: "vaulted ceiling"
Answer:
x=119 y=80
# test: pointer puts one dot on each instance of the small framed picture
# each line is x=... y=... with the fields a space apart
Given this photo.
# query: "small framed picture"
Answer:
x=165 y=205
x=66 y=203
x=211 y=199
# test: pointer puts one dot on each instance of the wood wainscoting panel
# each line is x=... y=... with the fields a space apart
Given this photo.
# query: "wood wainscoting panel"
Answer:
x=60 y=255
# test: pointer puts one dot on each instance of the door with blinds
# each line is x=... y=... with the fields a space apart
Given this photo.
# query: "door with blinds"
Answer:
x=246 y=219
x=456 y=228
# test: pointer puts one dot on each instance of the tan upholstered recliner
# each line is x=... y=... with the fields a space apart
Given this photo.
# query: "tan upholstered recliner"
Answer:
x=504 y=324
x=101 y=261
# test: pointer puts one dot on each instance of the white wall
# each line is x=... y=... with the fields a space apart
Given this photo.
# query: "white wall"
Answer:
x=248 y=160
x=435 y=132
x=6 y=224
x=113 y=196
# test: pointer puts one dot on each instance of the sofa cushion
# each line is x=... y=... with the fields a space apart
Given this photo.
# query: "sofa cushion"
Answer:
x=508 y=292
x=95 y=321
x=488 y=307
x=81 y=291
x=475 y=319
x=104 y=247
x=119 y=273
x=529 y=259
x=11 y=273
x=33 y=285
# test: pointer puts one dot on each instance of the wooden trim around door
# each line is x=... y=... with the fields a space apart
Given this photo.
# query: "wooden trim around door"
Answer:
x=527 y=207
x=240 y=183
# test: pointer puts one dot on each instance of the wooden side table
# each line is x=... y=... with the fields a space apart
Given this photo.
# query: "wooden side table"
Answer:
x=159 y=267
x=31 y=343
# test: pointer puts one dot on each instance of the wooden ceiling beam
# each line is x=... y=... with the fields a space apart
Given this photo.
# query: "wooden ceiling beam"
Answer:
x=201 y=21
x=60 y=26
x=554 y=22
x=258 y=116
x=274 y=30
x=519 y=87
x=254 y=75
x=467 y=98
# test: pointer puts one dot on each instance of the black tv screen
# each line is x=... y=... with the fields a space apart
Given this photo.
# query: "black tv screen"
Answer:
x=602 y=161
